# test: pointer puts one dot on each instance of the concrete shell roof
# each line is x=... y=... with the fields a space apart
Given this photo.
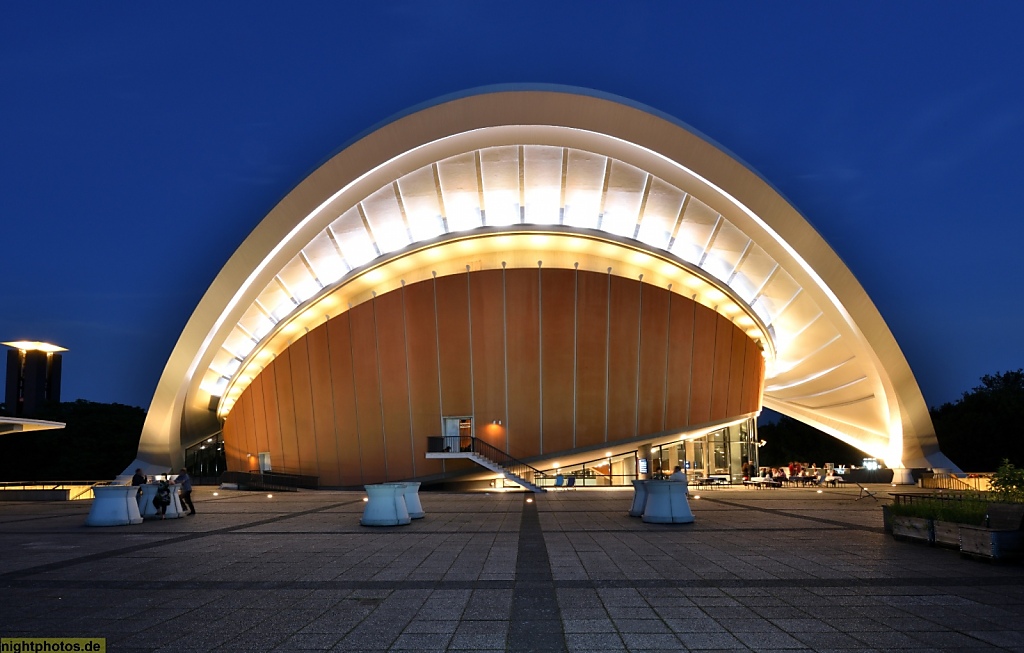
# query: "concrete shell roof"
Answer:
x=522 y=178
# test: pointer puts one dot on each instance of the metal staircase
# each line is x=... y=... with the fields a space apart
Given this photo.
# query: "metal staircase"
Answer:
x=485 y=455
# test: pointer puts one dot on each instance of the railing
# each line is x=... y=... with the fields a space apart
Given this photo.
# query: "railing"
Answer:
x=900 y=498
x=77 y=490
x=274 y=481
x=471 y=444
x=971 y=482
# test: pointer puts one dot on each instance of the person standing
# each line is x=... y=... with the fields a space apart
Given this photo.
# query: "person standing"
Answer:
x=186 y=490
x=139 y=478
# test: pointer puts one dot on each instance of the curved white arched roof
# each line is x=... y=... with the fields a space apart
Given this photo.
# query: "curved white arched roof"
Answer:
x=526 y=178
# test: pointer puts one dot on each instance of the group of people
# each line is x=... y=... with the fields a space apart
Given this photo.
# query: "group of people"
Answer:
x=162 y=499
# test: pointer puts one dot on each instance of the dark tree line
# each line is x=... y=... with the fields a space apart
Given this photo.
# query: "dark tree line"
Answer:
x=977 y=431
x=99 y=441
x=985 y=425
x=789 y=440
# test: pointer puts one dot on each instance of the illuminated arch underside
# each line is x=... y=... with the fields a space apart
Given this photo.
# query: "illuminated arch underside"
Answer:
x=561 y=180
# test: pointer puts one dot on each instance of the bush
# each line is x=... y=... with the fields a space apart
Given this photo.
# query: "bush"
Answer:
x=970 y=510
x=1008 y=483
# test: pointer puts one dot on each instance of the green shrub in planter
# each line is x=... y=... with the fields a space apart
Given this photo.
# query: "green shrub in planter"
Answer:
x=970 y=511
x=1008 y=483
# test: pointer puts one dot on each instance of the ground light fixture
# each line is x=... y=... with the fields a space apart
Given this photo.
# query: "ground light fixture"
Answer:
x=529 y=501
x=270 y=496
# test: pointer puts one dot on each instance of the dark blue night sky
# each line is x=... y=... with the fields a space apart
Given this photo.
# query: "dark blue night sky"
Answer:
x=140 y=143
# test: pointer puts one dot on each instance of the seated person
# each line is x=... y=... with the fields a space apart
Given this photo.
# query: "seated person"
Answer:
x=678 y=475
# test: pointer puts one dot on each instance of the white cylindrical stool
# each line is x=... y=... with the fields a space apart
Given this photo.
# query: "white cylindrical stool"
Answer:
x=412 y=500
x=667 y=504
x=385 y=505
x=114 y=505
x=175 y=510
x=902 y=476
x=639 y=498
x=146 y=507
x=149 y=511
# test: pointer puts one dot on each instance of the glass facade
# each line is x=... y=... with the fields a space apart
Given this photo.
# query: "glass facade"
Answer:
x=206 y=460
x=721 y=453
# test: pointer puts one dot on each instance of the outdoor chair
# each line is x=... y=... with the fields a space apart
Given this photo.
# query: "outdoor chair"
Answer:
x=570 y=483
x=864 y=492
x=559 y=480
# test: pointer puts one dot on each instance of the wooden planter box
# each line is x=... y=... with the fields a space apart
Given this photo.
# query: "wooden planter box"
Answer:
x=915 y=529
x=887 y=519
x=946 y=534
x=989 y=544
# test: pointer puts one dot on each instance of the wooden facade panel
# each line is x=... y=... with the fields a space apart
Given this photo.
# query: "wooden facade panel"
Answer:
x=323 y=407
x=234 y=437
x=753 y=374
x=256 y=388
x=453 y=345
x=723 y=363
x=274 y=445
x=654 y=311
x=680 y=361
x=624 y=339
x=704 y=324
x=421 y=347
x=302 y=393
x=558 y=352
x=591 y=358
x=522 y=324
x=355 y=399
x=391 y=346
x=339 y=337
x=736 y=361
x=487 y=319
x=249 y=421
x=286 y=413
x=367 y=391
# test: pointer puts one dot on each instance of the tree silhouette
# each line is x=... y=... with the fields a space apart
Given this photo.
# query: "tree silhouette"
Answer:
x=985 y=425
x=99 y=441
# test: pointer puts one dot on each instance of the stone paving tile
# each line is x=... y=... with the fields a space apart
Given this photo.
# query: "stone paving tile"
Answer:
x=297 y=572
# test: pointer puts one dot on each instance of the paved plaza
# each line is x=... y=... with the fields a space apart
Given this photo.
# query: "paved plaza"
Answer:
x=759 y=570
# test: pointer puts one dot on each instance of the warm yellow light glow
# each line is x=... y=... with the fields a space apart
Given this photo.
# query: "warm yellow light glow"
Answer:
x=483 y=251
x=34 y=345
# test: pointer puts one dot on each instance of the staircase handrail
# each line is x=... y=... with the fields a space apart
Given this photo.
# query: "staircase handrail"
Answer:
x=473 y=444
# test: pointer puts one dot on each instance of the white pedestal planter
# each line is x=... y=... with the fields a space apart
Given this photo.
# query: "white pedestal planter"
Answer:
x=149 y=511
x=412 y=500
x=114 y=505
x=639 y=498
x=902 y=476
x=667 y=503
x=385 y=505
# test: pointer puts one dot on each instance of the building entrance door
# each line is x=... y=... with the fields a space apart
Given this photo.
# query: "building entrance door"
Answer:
x=458 y=433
